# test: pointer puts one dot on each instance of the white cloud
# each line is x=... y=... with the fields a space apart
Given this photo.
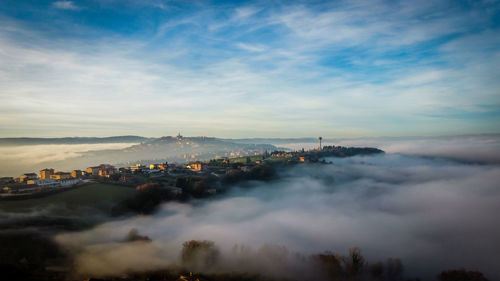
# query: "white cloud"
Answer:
x=65 y=5
x=251 y=48
x=287 y=85
x=245 y=12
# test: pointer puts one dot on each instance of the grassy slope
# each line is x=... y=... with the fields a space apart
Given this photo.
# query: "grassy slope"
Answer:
x=243 y=159
x=91 y=197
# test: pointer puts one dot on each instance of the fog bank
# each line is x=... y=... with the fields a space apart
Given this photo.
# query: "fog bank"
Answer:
x=434 y=214
x=15 y=160
x=483 y=149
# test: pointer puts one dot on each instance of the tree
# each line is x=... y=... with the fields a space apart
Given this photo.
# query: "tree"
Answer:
x=461 y=275
x=354 y=263
x=145 y=201
x=330 y=264
x=199 y=255
x=134 y=235
x=394 y=269
x=376 y=271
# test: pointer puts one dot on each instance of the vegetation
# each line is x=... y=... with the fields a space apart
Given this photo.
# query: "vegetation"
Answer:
x=146 y=199
x=134 y=235
x=338 y=151
x=246 y=160
x=28 y=255
x=199 y=255
x=198 y=259
x=461 y=275
x=259 y=172
x=95 y=197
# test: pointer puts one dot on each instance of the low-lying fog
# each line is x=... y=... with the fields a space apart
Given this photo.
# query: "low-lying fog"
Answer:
x=475 y=148
x=433 y=214
x=15 y=160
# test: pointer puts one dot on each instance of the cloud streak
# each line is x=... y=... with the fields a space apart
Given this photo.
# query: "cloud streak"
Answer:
x=351 y=68
x=65 y=5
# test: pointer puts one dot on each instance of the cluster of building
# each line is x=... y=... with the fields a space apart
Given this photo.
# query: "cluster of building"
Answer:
x=162 y=168
x=103 y=170
x=49 y=179
x=30 y=182
x=152 y=168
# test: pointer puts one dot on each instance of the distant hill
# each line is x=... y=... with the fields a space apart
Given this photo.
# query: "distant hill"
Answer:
x=171 y=149
x=21 y=155
x=274 y=141
x=139 y=139
x=72 y=140
x=179 y=149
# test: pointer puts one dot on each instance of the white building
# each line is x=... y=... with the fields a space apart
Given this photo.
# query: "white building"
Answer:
x=45 y=182
x=54 y=182
x=69 y=182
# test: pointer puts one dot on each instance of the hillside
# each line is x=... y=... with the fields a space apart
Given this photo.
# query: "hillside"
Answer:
x=71 y=140
x=180 y=150
x=94 y=198
x=162 y=149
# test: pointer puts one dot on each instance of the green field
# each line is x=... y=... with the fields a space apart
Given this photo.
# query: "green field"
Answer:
x=279 y=159
x=86 y=199
x=243 y=159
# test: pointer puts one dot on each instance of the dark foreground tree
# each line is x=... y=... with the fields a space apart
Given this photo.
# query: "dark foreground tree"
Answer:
x=134 y=235
x=199 y=255
x=461 y=275
x=145 y=201
x=329 y=264
x=354 y=263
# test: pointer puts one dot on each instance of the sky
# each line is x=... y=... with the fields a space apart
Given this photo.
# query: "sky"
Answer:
x=249 y=68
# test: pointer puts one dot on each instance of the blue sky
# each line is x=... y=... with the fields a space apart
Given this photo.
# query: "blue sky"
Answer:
x=249 y=68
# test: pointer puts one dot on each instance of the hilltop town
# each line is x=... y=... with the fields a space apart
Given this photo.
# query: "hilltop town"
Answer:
x=192 y=179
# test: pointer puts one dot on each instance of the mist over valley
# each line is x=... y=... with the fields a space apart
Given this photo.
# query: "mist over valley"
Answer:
x=423 y=212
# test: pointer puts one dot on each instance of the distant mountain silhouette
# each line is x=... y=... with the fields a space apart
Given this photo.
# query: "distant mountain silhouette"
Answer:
x=171 y=149
x=72 y=140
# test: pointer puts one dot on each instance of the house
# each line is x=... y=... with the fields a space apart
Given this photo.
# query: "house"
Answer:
x=161 y=167
x=106 y=170
x=137 y=168
x=45 y=182
x=28 y=176
x=93 y=171
x=61 y=176
x=197 y=166
x=76 y=174
x=54 y=182
x=46 y=173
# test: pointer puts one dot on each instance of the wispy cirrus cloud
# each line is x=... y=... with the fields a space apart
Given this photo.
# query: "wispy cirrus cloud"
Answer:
x=65 y=5
x=251 y=48
x=352 y=68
